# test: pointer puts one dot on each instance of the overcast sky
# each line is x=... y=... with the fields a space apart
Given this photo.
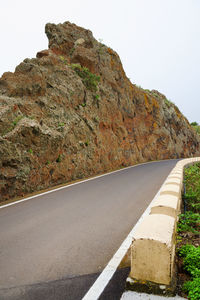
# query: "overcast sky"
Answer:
x=158 y=40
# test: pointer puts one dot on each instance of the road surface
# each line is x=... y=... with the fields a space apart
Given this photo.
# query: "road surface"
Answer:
x=56 y=244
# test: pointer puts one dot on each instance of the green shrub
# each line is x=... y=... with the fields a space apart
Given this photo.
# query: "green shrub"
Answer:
x=188 y=222
x=192 y=288
x=191 y=259
x=89 y=79
x=192 y=184
x=197 y=129
x=194 y=124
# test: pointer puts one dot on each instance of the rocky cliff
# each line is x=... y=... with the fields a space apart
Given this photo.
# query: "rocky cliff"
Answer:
x=71 y=112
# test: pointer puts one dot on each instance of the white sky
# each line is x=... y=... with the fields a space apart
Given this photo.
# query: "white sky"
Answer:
x=158 y=40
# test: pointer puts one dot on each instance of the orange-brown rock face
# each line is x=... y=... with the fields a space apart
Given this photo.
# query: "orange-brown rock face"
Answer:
x=71 y=113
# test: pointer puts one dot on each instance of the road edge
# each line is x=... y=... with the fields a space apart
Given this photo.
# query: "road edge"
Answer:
x=101 y=282
x=51 y=190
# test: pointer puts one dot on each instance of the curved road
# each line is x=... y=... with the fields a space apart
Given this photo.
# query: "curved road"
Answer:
x=57 y=243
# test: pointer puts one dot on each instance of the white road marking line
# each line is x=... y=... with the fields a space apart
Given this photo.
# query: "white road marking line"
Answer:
x=69 y=185
x=101 y=282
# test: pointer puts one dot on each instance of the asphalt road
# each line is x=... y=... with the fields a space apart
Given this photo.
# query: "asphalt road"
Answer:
x=56 y=244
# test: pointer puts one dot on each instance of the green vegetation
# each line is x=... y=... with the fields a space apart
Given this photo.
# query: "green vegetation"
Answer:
x=61 y=124
x=192 y=186
x=188 y=222
x=196 y=127
x=72 y=51
x=13 y=124
x=191 y=261
x=30 y=151
x=58 y=159
x=194 y=123
x=86 y=143
x=168 y=103
x=63 y=59
x=89 y=79
x=17 y=119
x=188 y=229
x=96 y=119
x=192 y=288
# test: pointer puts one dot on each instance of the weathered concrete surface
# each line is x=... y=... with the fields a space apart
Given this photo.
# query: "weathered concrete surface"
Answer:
x=166 y=204
x=152 y=250
x=175 y=180
x=172 y=189
x=59 y=123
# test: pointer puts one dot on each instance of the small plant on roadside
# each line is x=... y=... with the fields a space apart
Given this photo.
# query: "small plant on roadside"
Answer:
x=188 y=229
x=191 y=260
x=192 y=185
x=188 y=222
x=30 y=151
x=192 y=288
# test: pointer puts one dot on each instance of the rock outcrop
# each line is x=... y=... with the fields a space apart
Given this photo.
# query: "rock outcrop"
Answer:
x=71 y=113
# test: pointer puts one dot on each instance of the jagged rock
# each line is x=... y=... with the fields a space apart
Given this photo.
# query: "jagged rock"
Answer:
x=42 y=53
x=71 y=112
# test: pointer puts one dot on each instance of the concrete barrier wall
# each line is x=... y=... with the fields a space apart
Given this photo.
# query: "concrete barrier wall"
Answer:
x=153 y=247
